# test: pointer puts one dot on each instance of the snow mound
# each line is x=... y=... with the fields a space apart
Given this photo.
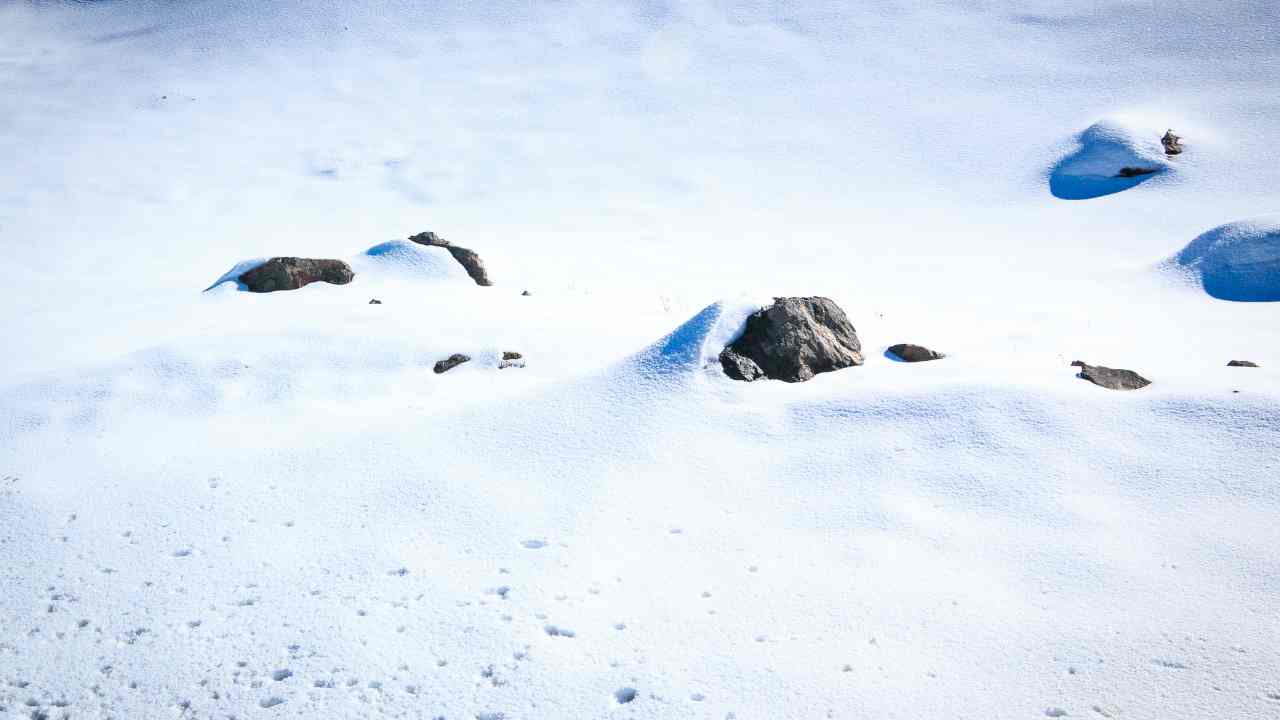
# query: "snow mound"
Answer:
x=233 y=275
x=1238 y=261
x=410 y=261
x=1105 y=153
x=698 y=341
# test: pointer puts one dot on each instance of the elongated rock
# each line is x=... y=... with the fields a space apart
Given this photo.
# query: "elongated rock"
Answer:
x=468 y=259
x=1110 y=378
x=291 y=273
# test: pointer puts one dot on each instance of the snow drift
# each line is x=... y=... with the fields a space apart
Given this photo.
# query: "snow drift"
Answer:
x=1238 y=261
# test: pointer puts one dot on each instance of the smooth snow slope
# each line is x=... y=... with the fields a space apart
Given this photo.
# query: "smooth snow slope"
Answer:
x=221 y=504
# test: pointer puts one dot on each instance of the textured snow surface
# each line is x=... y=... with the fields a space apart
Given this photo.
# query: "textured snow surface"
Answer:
x=220 y=504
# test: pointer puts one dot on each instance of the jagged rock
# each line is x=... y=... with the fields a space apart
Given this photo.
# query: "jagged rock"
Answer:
x=1110 y=378
x=291 y=273
x=511 y=359
x=375 y=301
x=1242 y=363
x=468 y=259
x=451 y=362
x=792 y=340
x=1172 y=143
x=907 y=352
x=1128 y=172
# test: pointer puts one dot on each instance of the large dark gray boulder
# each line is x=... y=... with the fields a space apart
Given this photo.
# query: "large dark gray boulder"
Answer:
x=1110 y=378
x=906 y=352
x=1242 y=363
x=792 y=340
x=291 y=273
x=468 y=259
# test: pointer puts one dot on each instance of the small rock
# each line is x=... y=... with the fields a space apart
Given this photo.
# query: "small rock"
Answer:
x=1128 y=172
x=451 y=362
x=1242 y=363
x=469 y=260
x=291 y=273
x=375 y=301
x=1110 y=378
x=511 y=359
x=526 y=293
x=792 y=340
x=1172 y=143
x=907 y=352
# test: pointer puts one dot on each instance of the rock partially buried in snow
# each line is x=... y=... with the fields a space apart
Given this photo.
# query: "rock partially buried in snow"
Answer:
x=907 y=352
x=792 y=340
x=469 y=260
x=1242 y=363
x=291 y=273
x=1172 y=143
x=375 y=301
x=1110 y=378
x=511 y=358
x=451 y=362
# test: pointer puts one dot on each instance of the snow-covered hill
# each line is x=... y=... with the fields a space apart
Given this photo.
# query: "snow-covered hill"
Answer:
x=227 y=504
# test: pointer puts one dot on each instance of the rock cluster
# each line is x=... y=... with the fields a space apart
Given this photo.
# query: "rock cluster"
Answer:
x=1172 y=143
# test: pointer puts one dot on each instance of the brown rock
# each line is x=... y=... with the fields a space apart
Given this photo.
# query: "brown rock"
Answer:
x=291 y=273
x=468 y=259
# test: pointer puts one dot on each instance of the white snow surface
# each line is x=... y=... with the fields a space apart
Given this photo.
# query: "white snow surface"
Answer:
x=219 y=504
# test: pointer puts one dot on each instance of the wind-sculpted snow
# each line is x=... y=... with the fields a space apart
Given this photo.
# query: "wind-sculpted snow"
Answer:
x=718 y=548
x=1110 y=157
x=1238 y=261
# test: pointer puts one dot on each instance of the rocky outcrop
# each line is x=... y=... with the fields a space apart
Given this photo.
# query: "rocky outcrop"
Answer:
x=468 y=259
x=792 y=340
x=451 y=362
x=375 y=301
x=1172 y=143
x=1110 y=378
x=1242 y=363
x=291 y=273
x=907 y=352
x=511 y=358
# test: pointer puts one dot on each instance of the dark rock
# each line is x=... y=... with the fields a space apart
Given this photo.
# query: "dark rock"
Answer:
x=1242 y=363
x=375 y=301
x=792 y=340
x=468 y=259
x=291 y=273
x=1110 y=378
x=451 y=362
x=907 y=352
x=1128 y=172
x=511 y=359
x=1172 y=143
x=526 y=293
